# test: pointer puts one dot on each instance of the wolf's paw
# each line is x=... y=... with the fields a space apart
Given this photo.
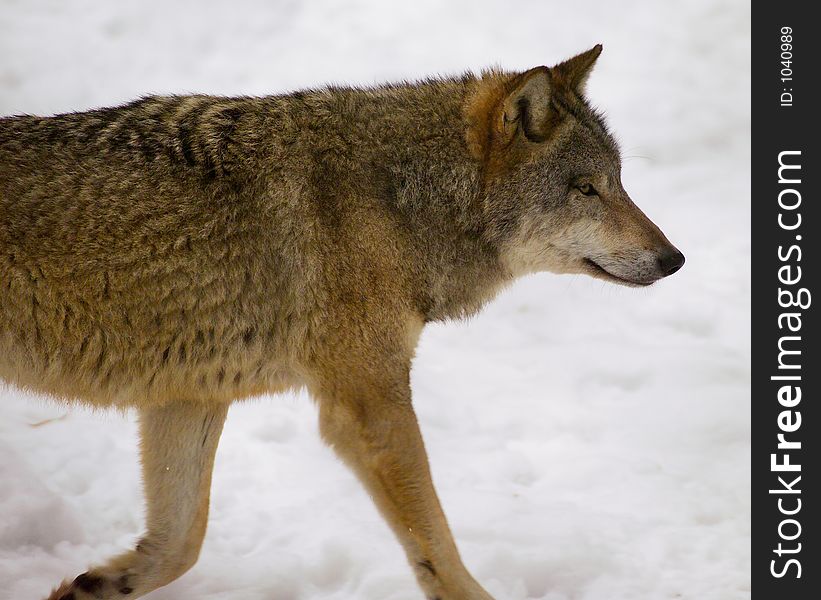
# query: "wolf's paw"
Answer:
x=91 y=586
x=471 y=591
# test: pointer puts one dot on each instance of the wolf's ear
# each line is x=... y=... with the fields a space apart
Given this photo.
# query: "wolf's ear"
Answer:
x=527 y=106
x=573 y=72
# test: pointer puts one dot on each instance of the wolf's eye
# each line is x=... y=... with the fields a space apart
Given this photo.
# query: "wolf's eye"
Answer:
x=587 y=189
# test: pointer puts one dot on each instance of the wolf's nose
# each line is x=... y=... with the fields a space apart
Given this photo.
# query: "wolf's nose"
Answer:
x=670 y=261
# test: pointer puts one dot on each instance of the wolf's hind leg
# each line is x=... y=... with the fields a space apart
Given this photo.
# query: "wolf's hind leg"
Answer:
x=178 y=444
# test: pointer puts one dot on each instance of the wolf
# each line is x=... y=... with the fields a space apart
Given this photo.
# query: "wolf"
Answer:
x=176 y=254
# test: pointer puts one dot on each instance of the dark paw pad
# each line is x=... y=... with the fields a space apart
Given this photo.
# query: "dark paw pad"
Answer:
x=88 y=583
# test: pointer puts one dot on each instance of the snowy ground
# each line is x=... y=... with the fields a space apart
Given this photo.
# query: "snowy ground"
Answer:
x=588 y=441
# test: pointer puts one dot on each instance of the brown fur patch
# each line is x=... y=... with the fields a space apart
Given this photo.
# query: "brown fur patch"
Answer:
x=498 y=144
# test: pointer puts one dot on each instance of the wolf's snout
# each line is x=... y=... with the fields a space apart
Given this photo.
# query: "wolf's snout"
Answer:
x=670 y=261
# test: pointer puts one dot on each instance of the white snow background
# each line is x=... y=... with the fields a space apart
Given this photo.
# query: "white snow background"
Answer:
x=588 y=442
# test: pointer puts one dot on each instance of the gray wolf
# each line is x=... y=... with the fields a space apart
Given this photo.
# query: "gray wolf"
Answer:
x=177 y=254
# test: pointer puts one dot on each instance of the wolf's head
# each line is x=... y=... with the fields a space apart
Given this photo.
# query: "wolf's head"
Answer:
x=552 y=171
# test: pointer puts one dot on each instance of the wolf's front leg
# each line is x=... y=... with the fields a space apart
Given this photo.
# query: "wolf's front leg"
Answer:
x=178 y=443
x=372 y=426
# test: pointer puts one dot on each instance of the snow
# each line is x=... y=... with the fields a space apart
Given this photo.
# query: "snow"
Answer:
x=587 y=441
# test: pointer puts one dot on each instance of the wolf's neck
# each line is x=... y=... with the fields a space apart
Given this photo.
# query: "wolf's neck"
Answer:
x=405 y=145
x=436 y=188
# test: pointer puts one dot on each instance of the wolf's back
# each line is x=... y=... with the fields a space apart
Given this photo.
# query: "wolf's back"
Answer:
x=137 y=244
